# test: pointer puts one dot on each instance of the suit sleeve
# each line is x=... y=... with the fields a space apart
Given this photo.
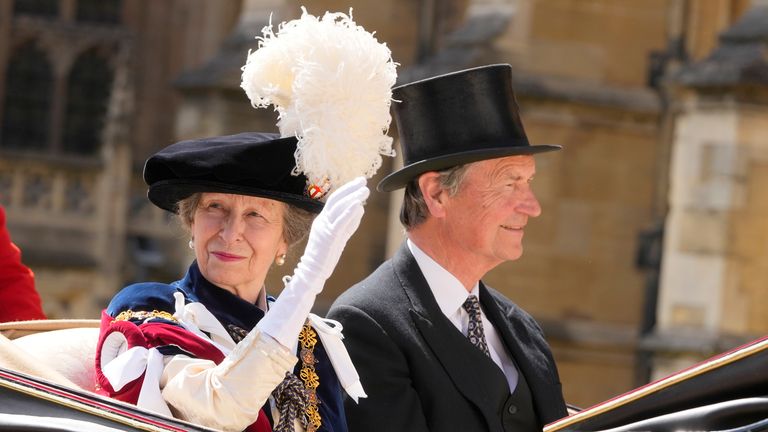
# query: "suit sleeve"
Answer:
x=392 y=403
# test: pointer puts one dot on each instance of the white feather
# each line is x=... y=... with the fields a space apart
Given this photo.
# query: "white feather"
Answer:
x=331 y=84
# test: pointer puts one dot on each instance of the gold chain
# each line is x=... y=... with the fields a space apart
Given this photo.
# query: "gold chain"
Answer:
x=308 y=339
x=144 y=315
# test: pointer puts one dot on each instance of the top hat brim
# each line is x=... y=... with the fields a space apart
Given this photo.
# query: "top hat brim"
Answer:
x=401 y=177
x=166 y=194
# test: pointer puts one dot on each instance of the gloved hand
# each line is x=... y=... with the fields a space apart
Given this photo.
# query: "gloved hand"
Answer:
x=329 y=234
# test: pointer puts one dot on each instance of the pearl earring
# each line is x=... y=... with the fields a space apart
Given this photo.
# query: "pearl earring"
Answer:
x=280 y=259
x=191 y=243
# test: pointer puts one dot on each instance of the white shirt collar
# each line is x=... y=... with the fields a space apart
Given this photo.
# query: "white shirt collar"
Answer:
x=448 y=291
x=450 y=295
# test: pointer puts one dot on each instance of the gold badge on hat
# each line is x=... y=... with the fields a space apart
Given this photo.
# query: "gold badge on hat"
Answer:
x=315 y=191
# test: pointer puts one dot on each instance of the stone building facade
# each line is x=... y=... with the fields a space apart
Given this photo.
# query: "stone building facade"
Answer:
x=85 y=97
x=649 y=255
x=712 y=289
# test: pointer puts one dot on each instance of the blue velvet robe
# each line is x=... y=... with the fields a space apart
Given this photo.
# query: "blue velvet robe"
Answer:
x=231 y=309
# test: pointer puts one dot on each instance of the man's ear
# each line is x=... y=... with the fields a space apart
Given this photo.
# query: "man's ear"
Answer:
x=433 y=193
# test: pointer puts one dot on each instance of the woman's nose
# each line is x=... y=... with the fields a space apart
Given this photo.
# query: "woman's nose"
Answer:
x=232 y=229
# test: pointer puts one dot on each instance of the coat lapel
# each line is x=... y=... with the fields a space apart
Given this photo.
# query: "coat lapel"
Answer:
x=470 y=370
x=516 y=336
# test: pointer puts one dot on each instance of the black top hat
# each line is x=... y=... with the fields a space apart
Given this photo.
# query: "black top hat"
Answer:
x=457 y=118
x=251 y=163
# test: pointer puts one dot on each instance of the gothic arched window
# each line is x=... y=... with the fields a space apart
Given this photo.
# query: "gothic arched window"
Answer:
x=27 y=104
x=47 y=8
x=99 y=11
x=88 y=90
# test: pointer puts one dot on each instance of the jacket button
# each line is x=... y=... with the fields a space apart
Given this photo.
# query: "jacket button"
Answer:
x=512 y=409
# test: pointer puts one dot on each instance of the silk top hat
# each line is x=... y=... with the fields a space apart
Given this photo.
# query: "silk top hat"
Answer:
x=251 y=163
x=457 y=118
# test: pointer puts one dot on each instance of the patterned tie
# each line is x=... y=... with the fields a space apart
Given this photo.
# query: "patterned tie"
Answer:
x=475 y=331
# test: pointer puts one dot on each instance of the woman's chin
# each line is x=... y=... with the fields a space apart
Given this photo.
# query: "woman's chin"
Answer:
x=232 y=280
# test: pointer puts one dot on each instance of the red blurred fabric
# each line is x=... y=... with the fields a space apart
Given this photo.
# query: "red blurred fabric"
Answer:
x=18 y=298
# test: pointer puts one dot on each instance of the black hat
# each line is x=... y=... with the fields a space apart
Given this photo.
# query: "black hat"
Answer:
x=251 y=163
x=457 y=118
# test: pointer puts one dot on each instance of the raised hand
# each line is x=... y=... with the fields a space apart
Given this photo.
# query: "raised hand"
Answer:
x=331 y=230
x=329 y=234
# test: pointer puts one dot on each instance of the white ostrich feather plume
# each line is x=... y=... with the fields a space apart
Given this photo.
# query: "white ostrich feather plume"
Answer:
x=331 y=83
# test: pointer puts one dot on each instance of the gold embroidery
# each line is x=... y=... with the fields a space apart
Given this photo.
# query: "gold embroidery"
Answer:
x=308 y=339
x=144 y=315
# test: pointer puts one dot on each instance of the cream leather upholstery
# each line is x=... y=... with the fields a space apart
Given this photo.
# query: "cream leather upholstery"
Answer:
x=64 y=356
x=70 y=352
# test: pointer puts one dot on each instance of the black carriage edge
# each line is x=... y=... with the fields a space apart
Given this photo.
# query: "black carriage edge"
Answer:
x=728 y=392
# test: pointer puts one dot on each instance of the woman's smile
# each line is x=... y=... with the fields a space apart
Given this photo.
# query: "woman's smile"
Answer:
x=227 y=257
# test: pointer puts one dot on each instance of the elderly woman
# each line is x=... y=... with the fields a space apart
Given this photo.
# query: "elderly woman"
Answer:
x=213 y=348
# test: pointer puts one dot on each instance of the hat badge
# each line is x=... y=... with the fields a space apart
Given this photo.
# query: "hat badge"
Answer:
x=317 y=191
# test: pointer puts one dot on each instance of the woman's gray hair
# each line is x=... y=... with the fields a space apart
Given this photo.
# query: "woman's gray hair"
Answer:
x=296 y=221
x=414 y=210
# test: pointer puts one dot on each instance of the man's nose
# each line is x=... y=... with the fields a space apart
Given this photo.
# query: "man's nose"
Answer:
x=530 y=204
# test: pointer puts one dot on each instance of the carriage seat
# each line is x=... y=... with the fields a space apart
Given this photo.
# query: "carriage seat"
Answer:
x=55 y=349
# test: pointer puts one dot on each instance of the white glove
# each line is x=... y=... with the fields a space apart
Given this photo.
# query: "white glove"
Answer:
x=329 y=234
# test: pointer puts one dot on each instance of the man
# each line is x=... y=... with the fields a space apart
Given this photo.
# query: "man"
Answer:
x=436 y=348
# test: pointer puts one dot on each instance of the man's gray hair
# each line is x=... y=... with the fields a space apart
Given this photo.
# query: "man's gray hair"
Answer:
x=296 y=221
x=414 y=210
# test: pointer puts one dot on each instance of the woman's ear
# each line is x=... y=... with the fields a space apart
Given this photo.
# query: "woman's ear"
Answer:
x=433 y=193
x=282 y=247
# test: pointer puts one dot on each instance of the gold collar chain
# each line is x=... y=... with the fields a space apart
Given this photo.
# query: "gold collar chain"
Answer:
x=308 y=339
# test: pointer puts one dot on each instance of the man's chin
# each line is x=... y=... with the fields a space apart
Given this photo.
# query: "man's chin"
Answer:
x=513 y=255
